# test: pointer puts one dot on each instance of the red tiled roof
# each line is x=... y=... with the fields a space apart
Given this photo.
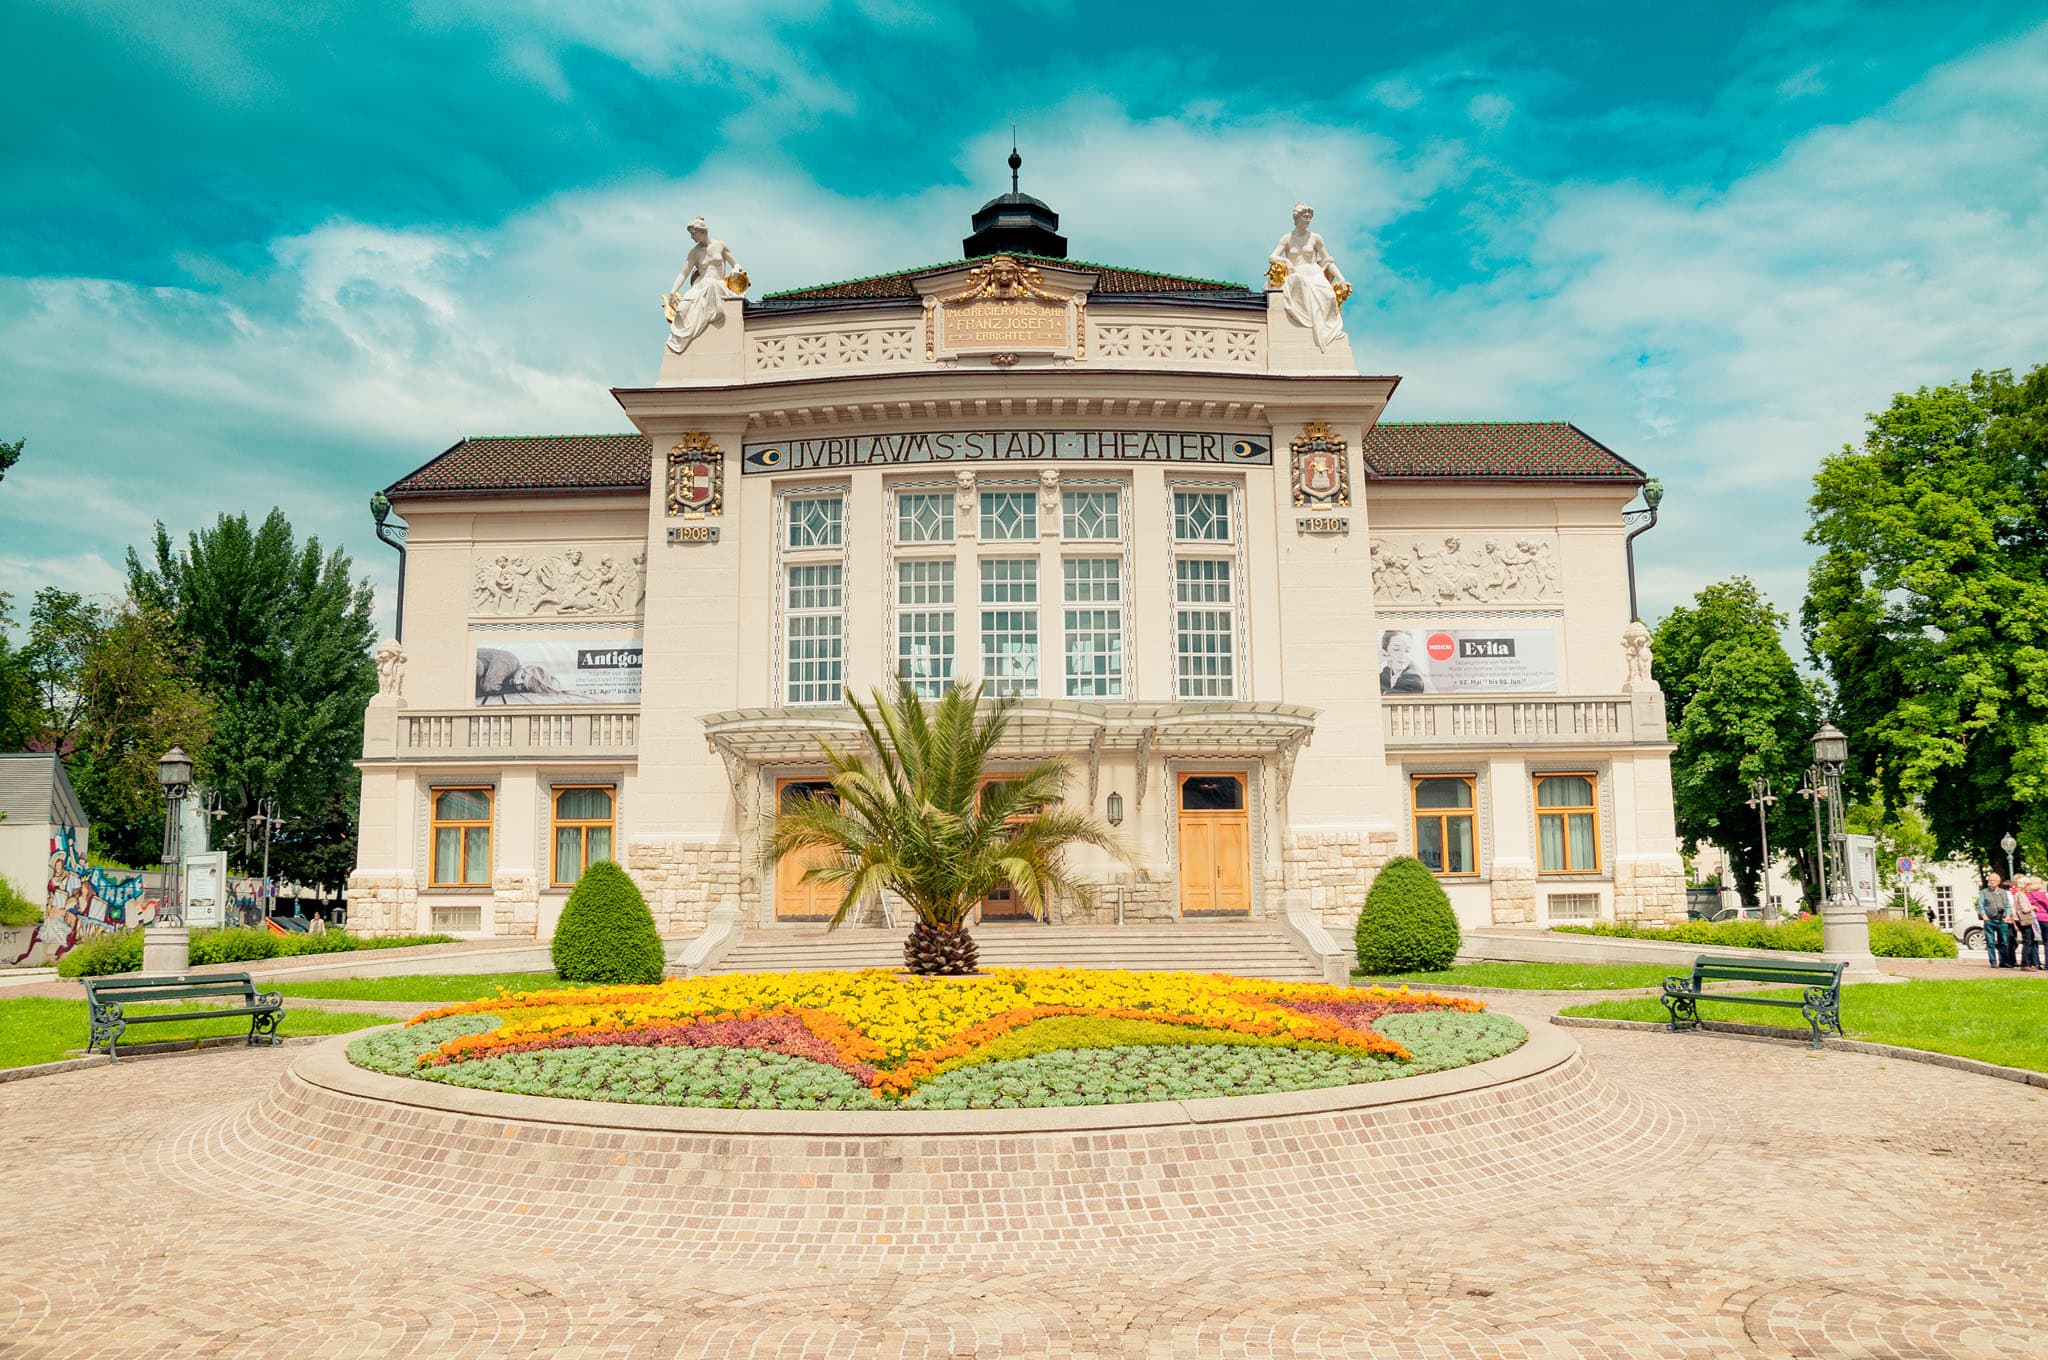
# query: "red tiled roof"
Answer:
x=579 y=462
x=1493 y=448
x=1109 y=279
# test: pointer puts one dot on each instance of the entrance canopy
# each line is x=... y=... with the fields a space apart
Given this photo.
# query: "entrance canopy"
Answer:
x=1040 y=726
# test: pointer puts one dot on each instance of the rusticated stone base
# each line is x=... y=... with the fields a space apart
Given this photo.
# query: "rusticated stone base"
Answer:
x=1336 y=869
x=382 y=904
x=1649 y=889
x=1144 y=899
x=1514 y=894
x=683 y=880
x=515 y=906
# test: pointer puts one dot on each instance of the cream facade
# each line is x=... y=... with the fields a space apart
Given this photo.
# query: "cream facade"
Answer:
x=1155 y=510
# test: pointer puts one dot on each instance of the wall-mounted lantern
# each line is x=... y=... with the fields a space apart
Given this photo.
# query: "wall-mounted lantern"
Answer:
x=1115 y=808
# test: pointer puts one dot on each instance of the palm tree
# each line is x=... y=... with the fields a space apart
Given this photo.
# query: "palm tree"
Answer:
x=921 y=818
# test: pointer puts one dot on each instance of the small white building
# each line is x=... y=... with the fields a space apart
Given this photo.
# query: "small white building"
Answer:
x=1278 y=637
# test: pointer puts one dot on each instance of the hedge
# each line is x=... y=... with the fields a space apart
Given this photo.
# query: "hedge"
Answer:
x=1407 y=925
x=121 y=951
x=606 y=933
x=1888 y=938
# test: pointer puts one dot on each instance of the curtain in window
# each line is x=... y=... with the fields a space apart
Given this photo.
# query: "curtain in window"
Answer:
x=584 y=805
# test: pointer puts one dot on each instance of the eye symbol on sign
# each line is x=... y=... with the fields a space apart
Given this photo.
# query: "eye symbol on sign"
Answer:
x=768 y=457
x=1247 y=448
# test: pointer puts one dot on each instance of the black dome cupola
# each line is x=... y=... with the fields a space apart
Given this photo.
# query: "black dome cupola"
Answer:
x=1015 y=224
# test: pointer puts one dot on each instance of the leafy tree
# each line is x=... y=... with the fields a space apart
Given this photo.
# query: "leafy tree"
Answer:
x=136 y=703
x=1738 y=710
x=922 y=819
x=10 y=454
x=280 y=640
x=1928 y=608
x=63 y=629
x=18 y=724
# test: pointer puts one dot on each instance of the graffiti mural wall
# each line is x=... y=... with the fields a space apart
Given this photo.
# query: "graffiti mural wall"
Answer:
x=81 y=901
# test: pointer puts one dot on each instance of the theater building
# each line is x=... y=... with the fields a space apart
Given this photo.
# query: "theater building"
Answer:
x=1277 y=638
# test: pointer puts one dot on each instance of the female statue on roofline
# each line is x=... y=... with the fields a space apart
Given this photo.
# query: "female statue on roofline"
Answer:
x=1312 y=288
x=692 y=301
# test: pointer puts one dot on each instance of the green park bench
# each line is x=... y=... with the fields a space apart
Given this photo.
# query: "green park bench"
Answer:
x=107 y=998
x=1821 y=1005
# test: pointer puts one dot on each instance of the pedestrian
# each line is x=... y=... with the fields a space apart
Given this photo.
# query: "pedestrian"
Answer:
x=1994 y=905
x=2030 y=915
x=2023 y=926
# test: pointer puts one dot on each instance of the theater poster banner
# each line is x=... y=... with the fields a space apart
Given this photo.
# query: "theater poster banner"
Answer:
x=556 y=668
x=1468 y=660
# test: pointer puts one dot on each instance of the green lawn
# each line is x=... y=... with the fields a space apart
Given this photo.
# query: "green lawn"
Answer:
x=1540 y=977
x=1995 y=1020
x=426 y=986
x=38 y=1029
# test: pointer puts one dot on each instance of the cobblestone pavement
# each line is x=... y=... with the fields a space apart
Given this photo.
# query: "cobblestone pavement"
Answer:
x=1767 y=1202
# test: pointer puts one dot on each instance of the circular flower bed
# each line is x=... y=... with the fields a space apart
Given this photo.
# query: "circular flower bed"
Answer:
x=1006 y=1039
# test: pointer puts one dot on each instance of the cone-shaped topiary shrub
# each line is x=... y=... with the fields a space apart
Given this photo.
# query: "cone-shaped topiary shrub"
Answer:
x=606 y=933
x=1407 y=925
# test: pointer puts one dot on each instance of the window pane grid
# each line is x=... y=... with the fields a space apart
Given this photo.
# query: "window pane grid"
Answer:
x=815 y=650
x=924 y=517
x=924 y=636
x=1009 y=636
x=1091 y=515
x=1094 y=636
x=1446 y=833
x=583 y=832
x=1205 y=640
x=1009 y=516
x=1567 y=824
x=460 y=834
x=816 y=521
x=1201 y=516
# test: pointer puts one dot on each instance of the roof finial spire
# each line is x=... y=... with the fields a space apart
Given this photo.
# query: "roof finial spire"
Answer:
x=1015 y=159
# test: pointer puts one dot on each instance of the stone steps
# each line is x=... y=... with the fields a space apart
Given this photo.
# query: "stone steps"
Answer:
x=1247 y=948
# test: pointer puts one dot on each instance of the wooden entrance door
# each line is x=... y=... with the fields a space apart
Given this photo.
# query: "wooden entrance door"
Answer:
x=1003 y=903
x=1215 y=845
x=796 y=900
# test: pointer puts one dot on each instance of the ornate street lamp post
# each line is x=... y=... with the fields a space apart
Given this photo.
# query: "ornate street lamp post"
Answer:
x=1815 y=791
x=1761 y=798
x=1844 y=925
x=2008 y=844
x=166 y=943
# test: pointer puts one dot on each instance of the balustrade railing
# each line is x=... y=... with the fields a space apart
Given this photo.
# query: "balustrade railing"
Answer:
x=512 y=733
x=1452 y=721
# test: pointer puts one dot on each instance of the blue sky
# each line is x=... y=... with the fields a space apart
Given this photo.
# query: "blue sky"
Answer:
x=278 y=254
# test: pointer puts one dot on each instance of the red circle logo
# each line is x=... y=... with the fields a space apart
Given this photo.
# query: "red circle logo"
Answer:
x=1441 y=646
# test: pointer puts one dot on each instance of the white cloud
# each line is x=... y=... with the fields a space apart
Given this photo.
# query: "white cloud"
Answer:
x=1726 y=338
x=1490 y=111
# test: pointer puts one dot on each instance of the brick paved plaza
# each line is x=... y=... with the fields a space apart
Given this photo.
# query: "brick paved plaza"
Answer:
x=1711 y=1197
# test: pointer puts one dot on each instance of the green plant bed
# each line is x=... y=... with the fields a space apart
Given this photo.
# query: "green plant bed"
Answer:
x=36 y=1029
x=1074 y=1060
x=1994 y=1020
x=121 y=951
x=1538 y=977
x=426 y=986
x=1888 y=939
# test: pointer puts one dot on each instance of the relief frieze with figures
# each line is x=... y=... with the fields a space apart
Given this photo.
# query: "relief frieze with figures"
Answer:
x=1482 y=567
x=605 y=580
